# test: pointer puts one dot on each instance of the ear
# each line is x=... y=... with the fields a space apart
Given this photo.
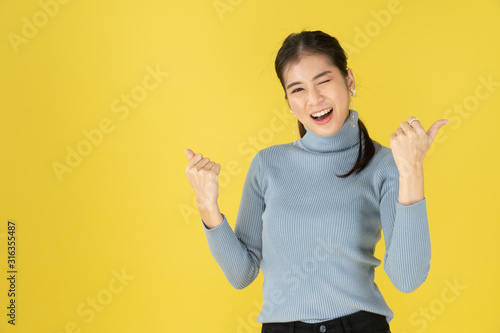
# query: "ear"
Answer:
x=350 y=79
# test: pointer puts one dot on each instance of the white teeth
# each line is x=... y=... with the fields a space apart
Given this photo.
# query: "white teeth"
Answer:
x=318 y=114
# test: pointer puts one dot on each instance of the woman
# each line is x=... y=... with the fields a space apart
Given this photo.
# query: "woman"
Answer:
x=312 y=211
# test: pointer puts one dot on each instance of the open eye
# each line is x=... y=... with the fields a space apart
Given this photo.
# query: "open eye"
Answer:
x=296 y=90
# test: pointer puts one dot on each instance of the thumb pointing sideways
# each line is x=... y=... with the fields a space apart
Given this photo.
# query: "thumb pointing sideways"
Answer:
x=432 y=131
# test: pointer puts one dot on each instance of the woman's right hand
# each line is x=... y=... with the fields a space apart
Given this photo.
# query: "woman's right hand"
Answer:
x=203 y=177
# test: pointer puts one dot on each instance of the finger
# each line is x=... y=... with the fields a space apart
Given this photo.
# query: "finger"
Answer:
x=209 y=165
x=399 y=131
x=412 y=130
x=217 y=168
x=415 y=122
x=391 y=139
x=194 y=161
x=415 y=119
x=406 y=127
x=189 y=153
x=432 y=131
x=202 y=163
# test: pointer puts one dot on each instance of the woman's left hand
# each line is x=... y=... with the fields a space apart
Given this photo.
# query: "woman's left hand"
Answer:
x=410 y=143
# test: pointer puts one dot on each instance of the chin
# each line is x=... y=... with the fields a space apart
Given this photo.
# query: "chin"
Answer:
x=324 y=131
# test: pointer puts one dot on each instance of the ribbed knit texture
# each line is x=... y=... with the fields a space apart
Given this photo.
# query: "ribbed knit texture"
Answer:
x=313 y=234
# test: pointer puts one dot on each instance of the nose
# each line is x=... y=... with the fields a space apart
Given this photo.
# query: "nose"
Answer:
x=315 y=96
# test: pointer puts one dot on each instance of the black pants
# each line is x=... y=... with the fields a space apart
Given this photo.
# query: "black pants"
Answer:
x=359 y=322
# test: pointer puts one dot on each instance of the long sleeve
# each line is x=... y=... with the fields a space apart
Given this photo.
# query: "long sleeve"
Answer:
x=406 y=232
x=239 y=253
x=312 y=234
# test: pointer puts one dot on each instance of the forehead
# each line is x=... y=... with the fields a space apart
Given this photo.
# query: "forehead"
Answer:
x=308 y=66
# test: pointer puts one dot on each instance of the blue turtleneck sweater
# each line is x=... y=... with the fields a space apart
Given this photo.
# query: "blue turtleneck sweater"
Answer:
x=313 y=234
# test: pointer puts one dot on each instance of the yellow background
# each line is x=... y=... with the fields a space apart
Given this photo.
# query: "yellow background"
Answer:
x=127 y=207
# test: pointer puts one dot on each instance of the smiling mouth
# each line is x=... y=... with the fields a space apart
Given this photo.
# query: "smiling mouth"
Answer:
x=322 y=114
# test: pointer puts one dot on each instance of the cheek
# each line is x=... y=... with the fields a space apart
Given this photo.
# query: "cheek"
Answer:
x=302 y=117
x=295 y=107
x=296 y=103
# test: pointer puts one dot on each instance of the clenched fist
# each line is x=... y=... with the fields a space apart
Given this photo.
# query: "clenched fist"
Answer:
x=411 y=142
x=203 y=175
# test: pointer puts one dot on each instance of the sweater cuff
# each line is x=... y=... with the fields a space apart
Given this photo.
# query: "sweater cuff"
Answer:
x=410 y=214
x=219 y=230
x=413 y=208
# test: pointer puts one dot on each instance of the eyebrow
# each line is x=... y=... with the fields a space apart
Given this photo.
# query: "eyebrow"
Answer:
x=314 y=78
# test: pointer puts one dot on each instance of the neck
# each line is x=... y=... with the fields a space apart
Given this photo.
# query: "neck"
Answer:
x=345 y=138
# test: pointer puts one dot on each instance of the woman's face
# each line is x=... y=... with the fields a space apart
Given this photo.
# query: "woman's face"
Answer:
x=314 y=86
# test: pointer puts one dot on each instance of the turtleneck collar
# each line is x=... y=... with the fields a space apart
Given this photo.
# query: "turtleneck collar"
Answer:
x=346 y=137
